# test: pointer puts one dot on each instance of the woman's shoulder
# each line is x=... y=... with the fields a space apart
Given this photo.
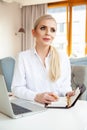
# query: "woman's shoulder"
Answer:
x=62 y=53
x=26 y=52
x=63 y=56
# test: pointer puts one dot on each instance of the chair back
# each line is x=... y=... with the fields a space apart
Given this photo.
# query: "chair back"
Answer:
x=7 y=69
x=79 y=77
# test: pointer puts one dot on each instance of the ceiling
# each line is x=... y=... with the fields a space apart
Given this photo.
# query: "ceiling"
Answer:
x=31 y=2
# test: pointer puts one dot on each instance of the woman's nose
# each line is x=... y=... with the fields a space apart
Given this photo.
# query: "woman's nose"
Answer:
x=47 y=31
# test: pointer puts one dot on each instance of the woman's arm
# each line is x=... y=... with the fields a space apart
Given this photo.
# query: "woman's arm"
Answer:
x=65 y=75
x=19 y=84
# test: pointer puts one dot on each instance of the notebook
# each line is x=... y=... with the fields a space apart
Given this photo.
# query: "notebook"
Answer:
x=67 y=102
x=16 y=107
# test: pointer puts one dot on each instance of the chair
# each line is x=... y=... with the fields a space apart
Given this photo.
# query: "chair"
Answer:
x=7 y=69
x=79 y=76
x=78 y=61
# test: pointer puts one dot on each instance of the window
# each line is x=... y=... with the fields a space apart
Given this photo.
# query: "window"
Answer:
x=78 y=30
x=60 y=15
x=77 y=37
x=61 y=27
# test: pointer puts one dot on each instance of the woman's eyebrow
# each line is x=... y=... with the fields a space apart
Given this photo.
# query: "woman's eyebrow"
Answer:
x=47 y=26
x=43 y=25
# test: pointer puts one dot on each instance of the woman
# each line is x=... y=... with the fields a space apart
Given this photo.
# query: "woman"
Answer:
x=42 y=73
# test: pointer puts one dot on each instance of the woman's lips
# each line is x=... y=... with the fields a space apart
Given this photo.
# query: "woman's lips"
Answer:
x=46 y=39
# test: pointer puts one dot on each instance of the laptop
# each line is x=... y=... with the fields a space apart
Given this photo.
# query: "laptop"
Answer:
x=16 y=107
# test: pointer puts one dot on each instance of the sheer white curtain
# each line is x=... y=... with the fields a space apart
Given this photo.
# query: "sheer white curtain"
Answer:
x=29 y=15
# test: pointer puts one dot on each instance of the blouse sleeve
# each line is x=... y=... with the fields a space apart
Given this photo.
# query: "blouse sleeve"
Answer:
x=65 y=74
x=19 y=86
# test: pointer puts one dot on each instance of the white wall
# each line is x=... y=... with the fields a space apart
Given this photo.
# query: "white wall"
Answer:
x=10 y=22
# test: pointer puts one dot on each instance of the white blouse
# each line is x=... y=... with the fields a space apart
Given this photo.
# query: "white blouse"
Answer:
x=31 y=76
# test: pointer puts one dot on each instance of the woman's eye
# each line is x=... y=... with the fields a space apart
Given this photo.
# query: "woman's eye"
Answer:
x=43 y=28
x=53 y=30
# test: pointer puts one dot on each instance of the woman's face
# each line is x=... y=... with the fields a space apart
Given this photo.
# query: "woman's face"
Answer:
x=45 y=32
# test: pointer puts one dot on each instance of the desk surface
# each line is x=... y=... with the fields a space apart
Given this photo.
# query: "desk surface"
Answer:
x=74 y=118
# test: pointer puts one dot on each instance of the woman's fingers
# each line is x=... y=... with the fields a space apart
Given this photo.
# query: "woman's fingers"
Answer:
x=46 y=97
x=69 y=94
x=54 y=95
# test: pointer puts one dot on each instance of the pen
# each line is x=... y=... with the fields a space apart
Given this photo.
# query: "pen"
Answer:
x=46 y=104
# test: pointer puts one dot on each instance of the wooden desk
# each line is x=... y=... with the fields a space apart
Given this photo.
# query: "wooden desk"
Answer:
x=74 y=118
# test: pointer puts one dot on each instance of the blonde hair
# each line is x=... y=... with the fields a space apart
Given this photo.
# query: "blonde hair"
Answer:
x=54 y=69
x=41 y=18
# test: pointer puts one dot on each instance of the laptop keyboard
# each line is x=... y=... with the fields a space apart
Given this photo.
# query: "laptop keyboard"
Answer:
x=19 y=110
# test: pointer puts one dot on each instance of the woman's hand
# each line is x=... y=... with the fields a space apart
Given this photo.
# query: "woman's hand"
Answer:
x=69 y=94
x=46 y=97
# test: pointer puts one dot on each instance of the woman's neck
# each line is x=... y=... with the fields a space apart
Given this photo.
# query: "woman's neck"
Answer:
x=42 y=51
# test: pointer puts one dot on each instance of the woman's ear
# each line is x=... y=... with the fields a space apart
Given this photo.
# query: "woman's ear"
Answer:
x=33 y=32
